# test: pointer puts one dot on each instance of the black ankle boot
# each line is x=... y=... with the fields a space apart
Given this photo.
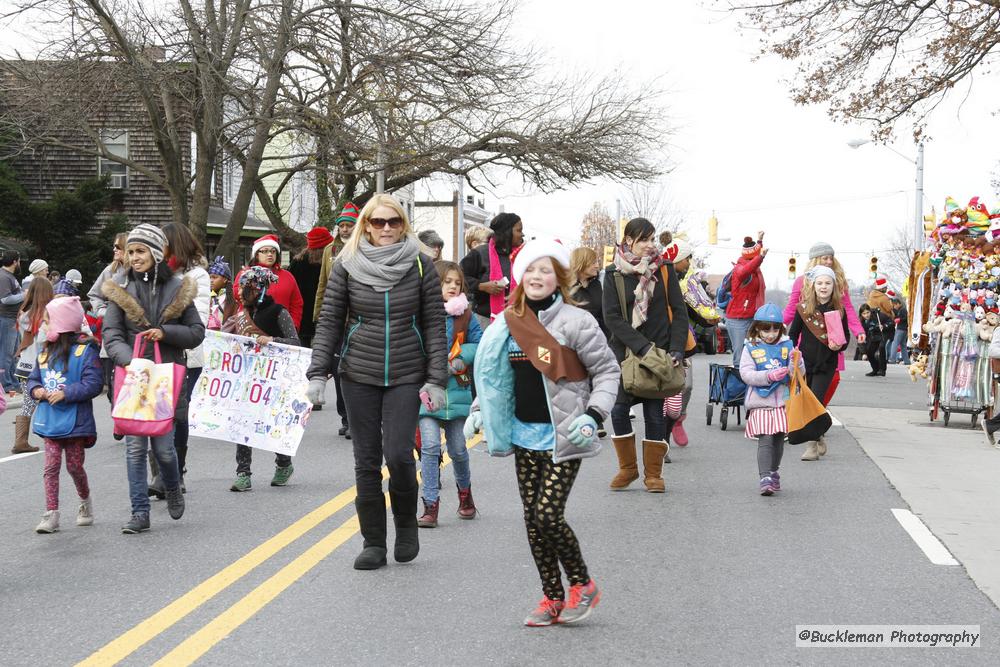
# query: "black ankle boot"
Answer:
x=371 y=517
x=404 y=516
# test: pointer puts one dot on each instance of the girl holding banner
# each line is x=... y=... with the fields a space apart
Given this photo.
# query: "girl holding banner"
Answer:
x=266 y=321
x=382 y=311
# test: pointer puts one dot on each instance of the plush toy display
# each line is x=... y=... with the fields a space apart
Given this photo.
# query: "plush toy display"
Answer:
x=987 y=326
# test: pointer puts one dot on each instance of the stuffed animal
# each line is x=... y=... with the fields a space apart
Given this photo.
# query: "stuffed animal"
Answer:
x=988 y=326
x=919 y=367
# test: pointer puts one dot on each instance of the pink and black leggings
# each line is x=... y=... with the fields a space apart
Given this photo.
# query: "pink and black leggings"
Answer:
x=74 y=449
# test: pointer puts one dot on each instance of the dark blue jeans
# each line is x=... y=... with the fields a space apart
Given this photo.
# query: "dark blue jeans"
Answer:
x=652 y=413
x=8 y=345
x=135 y=464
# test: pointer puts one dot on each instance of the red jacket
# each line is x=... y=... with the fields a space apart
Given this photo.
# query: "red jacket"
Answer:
x=748 y=296
x=285 y=291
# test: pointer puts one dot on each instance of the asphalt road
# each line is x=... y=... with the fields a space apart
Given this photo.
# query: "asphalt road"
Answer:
x=708 y=573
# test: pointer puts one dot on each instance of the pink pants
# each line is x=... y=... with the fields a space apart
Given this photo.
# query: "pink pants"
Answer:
x=74 y=448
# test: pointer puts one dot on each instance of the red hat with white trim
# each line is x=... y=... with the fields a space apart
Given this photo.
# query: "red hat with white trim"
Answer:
x=882 y=282
x=266 y=241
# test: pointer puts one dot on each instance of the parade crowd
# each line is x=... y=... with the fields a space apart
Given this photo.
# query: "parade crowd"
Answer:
x=522 y=341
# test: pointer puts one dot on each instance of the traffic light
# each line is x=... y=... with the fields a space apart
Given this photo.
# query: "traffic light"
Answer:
x=873 y=268
x=791 y=267
x=930 y=222
x=713 y=230
x=609 y=255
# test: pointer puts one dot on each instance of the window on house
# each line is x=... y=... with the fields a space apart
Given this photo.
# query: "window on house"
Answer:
x=116 y=143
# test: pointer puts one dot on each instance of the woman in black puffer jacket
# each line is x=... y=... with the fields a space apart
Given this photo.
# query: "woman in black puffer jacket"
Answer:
x=383 y=313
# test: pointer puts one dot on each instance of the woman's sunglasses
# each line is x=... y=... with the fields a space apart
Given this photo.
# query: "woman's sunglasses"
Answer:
x=380 y=223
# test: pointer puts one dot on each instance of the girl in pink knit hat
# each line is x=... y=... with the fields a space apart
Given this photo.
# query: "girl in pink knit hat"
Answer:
x=66 y=378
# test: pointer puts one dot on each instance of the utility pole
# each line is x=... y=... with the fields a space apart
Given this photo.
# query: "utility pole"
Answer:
x=918 y=210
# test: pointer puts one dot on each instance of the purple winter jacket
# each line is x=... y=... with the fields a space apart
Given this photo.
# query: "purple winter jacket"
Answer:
x=755 y=378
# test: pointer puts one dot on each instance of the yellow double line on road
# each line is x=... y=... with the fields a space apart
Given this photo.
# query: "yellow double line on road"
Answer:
x=222 y=625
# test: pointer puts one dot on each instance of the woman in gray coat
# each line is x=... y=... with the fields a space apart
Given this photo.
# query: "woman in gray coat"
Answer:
x=383 y=313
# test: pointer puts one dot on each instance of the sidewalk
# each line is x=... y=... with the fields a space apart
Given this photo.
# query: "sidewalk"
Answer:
x=950 y=477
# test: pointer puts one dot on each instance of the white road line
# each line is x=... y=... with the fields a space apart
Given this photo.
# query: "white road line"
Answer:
x=18 y=456
x=930 y=545
x=836 y=422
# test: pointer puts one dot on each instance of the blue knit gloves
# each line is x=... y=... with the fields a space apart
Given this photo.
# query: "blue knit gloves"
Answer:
x=583 y=431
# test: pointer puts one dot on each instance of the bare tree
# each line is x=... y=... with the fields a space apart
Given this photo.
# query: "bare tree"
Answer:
x=395 y=90
x=879 y=61
x=652 y=200
x=599 y=229
x=895 y=263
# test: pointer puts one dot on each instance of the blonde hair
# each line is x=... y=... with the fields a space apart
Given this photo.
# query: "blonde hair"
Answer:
x=580 y=260
x=122 y=240
x=838 y=271
x=476 y=236
x=811 y=303
x=564 y=280
x=360 y=229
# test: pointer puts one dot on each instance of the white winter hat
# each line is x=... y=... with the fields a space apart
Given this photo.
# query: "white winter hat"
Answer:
x=537 y=249
x=678 y=250
x=74 y=276
x=38 y=265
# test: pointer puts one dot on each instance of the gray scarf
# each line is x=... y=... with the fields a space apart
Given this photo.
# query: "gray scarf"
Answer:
x=382 y=267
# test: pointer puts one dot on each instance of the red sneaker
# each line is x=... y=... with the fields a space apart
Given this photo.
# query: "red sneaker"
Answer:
x=679 y=435
x=545 y=614
x=582 y=600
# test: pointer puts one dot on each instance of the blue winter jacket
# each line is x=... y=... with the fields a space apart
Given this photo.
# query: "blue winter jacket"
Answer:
x=458 y=399
x=82 y=393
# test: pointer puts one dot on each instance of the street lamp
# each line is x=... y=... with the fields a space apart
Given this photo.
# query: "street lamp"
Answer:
x=918 y=210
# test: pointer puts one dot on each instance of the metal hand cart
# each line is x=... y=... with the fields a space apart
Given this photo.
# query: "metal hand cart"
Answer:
x=725 y=388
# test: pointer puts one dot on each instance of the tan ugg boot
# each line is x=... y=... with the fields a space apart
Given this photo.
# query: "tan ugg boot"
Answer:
x=628 y=471
x=652 y=463
x=811 y=453
x=22 y=426
x=821 y=446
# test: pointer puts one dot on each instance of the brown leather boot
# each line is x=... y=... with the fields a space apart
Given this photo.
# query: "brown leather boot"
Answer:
x=628 y=470
x=653 y=452
x=22 y=426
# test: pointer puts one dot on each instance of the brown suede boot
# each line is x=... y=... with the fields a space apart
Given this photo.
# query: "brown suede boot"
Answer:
x=653 y=452
x=628 y=471
x=821 y=446
x=22 y=426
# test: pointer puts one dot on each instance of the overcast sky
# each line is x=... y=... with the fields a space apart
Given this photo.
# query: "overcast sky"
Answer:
x=741 y=148
x=744 y=149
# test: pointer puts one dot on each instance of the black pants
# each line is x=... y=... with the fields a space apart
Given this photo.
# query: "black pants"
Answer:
x=383 y=423
x=544 y=488
x=181 y=428
x=341 y=407
x=819 y=382
x=876 y=355
x=244 y=457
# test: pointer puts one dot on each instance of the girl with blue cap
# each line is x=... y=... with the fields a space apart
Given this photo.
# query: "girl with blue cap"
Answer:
x=765 y=365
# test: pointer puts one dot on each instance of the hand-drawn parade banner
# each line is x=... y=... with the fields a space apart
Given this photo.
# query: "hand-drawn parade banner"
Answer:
x=252 y=395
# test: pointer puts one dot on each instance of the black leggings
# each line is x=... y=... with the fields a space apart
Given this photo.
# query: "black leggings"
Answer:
x=545 y=488
x=819 y=382
x=876 y=355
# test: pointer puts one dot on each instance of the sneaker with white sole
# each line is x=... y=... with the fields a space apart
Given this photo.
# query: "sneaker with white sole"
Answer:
x=49 y=523
x=547 y=613
x=85 y=515
x=582 y=600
